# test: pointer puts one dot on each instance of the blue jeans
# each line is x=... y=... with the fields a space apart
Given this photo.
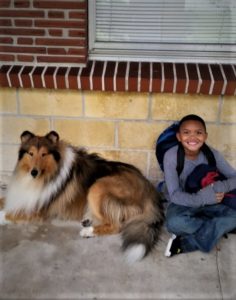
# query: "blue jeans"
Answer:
x=200 y=228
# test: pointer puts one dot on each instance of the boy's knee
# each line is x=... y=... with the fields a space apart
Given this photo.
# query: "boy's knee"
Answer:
x=180 y=225
x=173 y=224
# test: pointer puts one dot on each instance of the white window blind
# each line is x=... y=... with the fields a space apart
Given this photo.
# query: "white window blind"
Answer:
x=173 y=30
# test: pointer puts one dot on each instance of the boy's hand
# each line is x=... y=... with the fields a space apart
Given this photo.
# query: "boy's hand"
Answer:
x=219 y=197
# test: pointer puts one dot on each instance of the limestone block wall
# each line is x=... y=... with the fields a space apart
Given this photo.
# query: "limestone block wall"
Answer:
x=118 y=125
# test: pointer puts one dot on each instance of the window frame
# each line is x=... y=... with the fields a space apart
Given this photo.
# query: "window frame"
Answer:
x=175 y=53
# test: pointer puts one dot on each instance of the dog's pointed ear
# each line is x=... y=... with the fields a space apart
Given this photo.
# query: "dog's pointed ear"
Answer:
x=53 y=136
x=26 y=136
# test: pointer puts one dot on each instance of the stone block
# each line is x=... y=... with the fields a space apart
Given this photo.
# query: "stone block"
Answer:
x=8 y=103
x=50 y=102
x=12 y=127
x=86 y=133
x=175 y=106
x=118 y=105
x=229 y=109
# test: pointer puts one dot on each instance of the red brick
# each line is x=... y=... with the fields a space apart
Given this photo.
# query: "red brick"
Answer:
x=5 y=3
x=109 y=75
x=97 y=75
x=23 y=49
x=25 y=76
x=72 y=78
x=48 y=77
x=5 y=22
x=181 y=78
x=77 y=15
x=60 y=78
x=25 y=58
x=26 y=41
x=218 y=79
x=14 y=78
x=84 y=77
x=6 y=40
x=61 y=59
x=206 y=79
x=156 y=77
x=145 y=77
x=21 y=3
x=55 y=32
x=23 y=23
x=3 y=75
x=193 y=78
x=37 y=79
x=22 y=31
x=7 y=57
x=60 y=4
x=133 y=77
x=169 y=78
x=77 y=33
x=120 y=76
x=59 y=42
x=59 y=24
x=57 y=51
x=22 y=13
x=231 y=79
x=56 y=14
x=77 y=51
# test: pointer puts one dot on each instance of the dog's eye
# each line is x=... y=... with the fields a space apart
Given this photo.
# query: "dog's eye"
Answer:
x=31 y=153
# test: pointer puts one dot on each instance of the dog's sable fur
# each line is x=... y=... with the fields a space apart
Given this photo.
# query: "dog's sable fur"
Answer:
x=53 y=179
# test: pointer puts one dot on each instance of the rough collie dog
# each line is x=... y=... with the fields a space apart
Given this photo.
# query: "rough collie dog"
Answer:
x=53 y=179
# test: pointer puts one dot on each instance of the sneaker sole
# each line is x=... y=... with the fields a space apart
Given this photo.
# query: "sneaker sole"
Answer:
x=167 y=252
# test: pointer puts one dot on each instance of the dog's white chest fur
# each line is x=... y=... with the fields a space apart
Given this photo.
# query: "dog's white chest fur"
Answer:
x=23 y=194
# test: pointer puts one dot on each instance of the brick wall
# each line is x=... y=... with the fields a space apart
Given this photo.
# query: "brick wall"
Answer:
x=43 y=44
x=43 y=32
x=119 y=125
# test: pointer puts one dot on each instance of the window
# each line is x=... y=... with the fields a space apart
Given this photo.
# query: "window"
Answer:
x=163 y=30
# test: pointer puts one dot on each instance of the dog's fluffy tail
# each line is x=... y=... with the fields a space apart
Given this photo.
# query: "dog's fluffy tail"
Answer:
x=141 y=233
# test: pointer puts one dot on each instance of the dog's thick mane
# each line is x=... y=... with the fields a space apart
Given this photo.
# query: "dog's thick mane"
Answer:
x=54 y=187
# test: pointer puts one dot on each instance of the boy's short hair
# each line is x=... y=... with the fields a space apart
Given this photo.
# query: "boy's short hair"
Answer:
x=192 y=117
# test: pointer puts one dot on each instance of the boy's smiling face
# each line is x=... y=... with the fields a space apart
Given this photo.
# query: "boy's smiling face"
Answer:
x=192 y=135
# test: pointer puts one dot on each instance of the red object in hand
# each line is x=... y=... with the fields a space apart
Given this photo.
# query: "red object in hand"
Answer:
x=209 y=178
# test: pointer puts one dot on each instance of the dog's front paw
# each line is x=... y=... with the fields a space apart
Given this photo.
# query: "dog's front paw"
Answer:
x=86 y=223
x=3 y=220
x=87 y=232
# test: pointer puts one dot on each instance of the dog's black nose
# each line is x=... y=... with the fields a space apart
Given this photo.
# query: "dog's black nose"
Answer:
x=34 y=173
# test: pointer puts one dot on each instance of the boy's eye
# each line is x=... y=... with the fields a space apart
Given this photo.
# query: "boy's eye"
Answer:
x=44 y=154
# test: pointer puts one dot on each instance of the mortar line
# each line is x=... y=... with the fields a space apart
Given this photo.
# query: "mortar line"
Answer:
x=221 y=100
x=17 y=102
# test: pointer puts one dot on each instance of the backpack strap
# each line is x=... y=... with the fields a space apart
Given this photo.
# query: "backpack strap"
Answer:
x=180 y=159
x=206 y=151
x=209 y=155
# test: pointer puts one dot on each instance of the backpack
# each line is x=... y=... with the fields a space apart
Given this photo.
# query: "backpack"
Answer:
x=203 y=175
x=166 y=140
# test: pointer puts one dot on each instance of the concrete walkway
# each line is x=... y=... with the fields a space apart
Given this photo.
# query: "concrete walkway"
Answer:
x=51 y=261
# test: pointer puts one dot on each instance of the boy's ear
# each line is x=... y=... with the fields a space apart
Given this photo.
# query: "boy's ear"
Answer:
x=26 y=136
